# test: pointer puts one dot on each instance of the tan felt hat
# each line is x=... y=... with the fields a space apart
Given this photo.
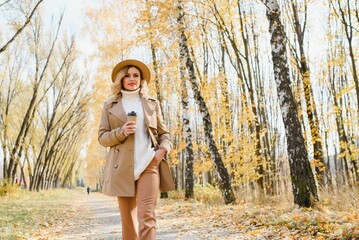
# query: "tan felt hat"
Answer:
x=132 y=62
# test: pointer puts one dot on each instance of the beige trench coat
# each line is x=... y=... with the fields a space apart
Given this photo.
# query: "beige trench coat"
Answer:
x=119 y=170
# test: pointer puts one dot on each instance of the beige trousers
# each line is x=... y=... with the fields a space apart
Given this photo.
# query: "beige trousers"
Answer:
x=138 y=213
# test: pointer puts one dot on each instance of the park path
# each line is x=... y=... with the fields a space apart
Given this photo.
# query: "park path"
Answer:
x=96 y=216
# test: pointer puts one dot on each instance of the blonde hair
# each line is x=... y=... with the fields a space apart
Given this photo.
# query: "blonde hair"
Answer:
x=117 y=85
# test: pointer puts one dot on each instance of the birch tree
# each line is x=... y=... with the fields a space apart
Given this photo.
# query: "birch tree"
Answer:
x=303 y=66
x=303 y=183
x=189 y=156
x=222 y=173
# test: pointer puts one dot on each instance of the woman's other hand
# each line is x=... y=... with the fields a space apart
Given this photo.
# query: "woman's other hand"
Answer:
x=159 y=155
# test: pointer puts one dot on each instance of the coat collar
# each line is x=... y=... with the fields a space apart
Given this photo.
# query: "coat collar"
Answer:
x=148 y=106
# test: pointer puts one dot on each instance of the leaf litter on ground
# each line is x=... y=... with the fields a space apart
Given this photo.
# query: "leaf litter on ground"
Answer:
x=189 y=219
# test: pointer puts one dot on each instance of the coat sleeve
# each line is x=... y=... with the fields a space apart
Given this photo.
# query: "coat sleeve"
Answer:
x=162 y=130
x=108 y=137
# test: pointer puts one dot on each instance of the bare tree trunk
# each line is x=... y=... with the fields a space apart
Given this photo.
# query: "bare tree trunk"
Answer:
x=309 y=98
x=222 y=173
x=4 y=3
x=269 y=164
x=228 y=134
x=343 y=140
x=252 y=91
x=303 y=183
x=189 y=155
x=328 y=176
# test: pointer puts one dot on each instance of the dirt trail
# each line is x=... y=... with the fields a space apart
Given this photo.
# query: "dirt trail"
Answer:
x=96 y=217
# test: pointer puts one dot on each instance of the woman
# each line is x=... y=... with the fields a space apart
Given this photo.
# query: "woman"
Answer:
x=131 y=171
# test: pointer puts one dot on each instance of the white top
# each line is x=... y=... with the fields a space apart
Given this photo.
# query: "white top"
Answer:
x=144 y=152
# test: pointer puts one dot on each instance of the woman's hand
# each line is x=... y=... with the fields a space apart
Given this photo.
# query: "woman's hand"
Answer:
x=129 y=128
x=159 y=155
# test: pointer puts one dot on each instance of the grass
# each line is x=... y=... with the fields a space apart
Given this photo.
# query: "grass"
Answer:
x=23 y=213
x=205 y=194
x=347 y=198
x=340 y=200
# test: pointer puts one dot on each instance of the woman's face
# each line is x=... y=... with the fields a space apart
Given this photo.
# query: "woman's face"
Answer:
x=132 y=79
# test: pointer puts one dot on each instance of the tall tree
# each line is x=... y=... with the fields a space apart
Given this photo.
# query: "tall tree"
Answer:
x=303 y=183
x=303 y=65
x=189 y=156
x=222 y=173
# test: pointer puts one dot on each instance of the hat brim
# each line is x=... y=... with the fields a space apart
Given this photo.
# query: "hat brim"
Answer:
x=132 y=62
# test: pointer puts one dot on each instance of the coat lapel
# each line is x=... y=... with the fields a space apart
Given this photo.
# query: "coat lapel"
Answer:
x=149 y=108
x=118 y=111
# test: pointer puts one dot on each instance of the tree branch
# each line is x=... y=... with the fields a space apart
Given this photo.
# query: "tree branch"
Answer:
x=4 y=3
x=23 y=26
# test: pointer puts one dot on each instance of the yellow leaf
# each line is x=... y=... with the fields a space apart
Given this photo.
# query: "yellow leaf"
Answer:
x=257 y=231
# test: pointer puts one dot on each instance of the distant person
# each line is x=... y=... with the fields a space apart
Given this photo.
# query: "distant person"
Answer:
x=88 y=190
x=131 y=125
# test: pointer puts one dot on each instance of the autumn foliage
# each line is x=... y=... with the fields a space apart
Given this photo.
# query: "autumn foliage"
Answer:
x=51 y=94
